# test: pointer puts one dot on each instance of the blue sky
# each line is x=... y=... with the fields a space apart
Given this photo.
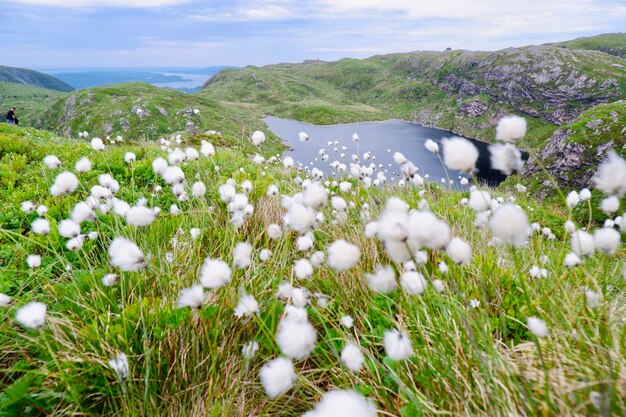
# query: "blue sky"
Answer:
x=188 y=33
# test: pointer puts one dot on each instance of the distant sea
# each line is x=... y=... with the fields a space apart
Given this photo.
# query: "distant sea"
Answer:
x=184 y=79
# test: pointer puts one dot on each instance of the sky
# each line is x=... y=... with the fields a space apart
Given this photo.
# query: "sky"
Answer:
x=44 y=34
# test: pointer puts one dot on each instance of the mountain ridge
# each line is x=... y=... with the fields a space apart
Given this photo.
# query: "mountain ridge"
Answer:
x=32 y=77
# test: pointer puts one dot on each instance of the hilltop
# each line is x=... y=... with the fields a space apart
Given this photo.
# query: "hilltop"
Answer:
x=29 y=99
x=610 y=43
x=462 y=91
x=27 y=76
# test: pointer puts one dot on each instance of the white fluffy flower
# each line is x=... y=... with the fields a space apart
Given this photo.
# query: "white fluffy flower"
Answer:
x=296 y=337
x=352 y=357
x=413 y=283
x=257 y=137
x=317 y=258
x=215 y=273
x=140 y=216
x=300 y=218
x=191 y=297
x=32 y=315
x=509 y=223
x=572 y=199
x=459 y=251
x=582 y=243
x=343 y=403
x=64 y=183
x=52 y=161
x=426 y=230
x=109 y=279
x=305 y=242
x=585 y=194
x=479 y=200
x=40 y=226
x=611 y=175
x=383 y=280
x=607 y=240
x=536 y=272
x=277 y=376
x=347 y=321
x=27 y=207
x=5 y=300
x=198 y=189
x=126 y=255
x=610 y=204
x=432 y=146
x=511 y=128
x=242 y=255
x=593 y=299
x=119 y=364
x=274 y=231
x=343 y=255
x=82 y=212
x=246 y=306
x=130 y=157
x=303 y=269
x=571 y=259
x=69 y=228
x=288 y=162
x=505 y=158
x=159 y=165
x=173 y=175
x=97 y=144
x=83 y=165
x=537 y=327
x=314 y=196
x=33 y=261
x=397 y=344
x=399 y=158
x=207 y=149
x=459 y=154
x=249 y=349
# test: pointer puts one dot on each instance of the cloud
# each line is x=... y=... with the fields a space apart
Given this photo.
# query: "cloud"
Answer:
x=92 y=4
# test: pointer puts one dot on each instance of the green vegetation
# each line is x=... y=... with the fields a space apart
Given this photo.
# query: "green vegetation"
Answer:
x=28 y=99
x=473 y=354
x=27 y=76
x=610 y=43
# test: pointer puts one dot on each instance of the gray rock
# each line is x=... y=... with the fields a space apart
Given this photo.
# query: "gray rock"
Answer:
x=474 y=108
x=592 y=124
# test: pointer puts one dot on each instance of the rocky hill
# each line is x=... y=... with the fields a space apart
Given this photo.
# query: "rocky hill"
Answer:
x=463 y=91
x=27 y=76
x=610 y=43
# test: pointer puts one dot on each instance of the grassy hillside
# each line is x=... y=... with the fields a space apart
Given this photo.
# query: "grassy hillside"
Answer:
x=27 y=76
x=472 y=352
x=610 y=43
x=461 y=91
x=135 y=110
x=29 y=100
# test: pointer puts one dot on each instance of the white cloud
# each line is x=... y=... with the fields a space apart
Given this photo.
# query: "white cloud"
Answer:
x=129 y=4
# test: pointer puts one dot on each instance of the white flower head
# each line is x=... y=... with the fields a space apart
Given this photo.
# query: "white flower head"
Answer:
x=505 y=158
x=582 y=243
x=611 y=175
x=33 y=261
x=413 y=283
x=250 y=349
x=64 y=183
x=607 y=240
x=277 y=376
x=511 y=128
x=344 y=403
x=352 y=357
x=509 y=223
x=119 y=364
x=383 y=280
x=537 y=327
x=397 y=345
x=32 y=315
x=191 y=297
x=296 y=337
x=459 y=251
x=459 y=154
x=242 y=255
x=109 y=279
x=247 y=306
x=215 y=273
x=52 y=161
x=343 y=255
x=126 y=255
x=257 y=137
x=432 y=146
x=40 y=226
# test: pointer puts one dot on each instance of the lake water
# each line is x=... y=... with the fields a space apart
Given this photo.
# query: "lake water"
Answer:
x=382 y=139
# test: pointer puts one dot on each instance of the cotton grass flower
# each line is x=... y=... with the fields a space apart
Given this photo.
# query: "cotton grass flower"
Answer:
x=431 y=146
x=130 y=157
x=352 y=357
x=242 y=255
x=300 y=218
x=505 y=158
x=97 y=144
x=343 y=255
x=159 y=165
x=119 y=365
x=479 y=200
x=109 y=280
x=537 y=327
x=571 y=259
x=33 y=261
x=511 y=128
x=347 y=321
x=32 y=315
x=509 y=223
x=582 y=243
x=611 y=175
x=126 y=255
x=68 y=228
x=459 y=251
x=247 y=306
x=296 y=337
x=52 y=161
x=64 y=183
x=397 y=345
x=610 y=205
x=215 y=273
x=343 y=403
x=383 y=280
x=606 y=240
x=5 y=300
x=83 y=165
x=303 y=269
x=173 y=175
x=140 y=216
x=277 y=376
x=257 y=137
x=40 y=226
x=572 y=199
x=191 y=297
x=459 y=154
x=413 y=283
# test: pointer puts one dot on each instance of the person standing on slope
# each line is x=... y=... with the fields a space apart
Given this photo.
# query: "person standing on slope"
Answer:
x=12 y=117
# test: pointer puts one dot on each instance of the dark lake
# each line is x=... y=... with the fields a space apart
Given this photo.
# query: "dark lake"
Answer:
x=382 y=139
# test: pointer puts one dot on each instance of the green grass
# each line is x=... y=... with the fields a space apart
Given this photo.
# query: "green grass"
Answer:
x=467 y=361
x=35 y=78
x=29 y=100
x=610 y=43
